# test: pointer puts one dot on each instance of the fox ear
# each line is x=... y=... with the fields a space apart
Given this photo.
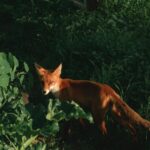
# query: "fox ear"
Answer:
x=57 y=71
x=40 y=70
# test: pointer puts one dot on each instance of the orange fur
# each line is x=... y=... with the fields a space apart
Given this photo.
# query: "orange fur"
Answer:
x=97 y=97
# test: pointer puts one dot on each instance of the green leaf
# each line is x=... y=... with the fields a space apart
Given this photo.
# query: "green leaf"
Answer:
x=1 y=96
x=12 y=76
x=49 y=116
x=21 y=78
x=60 y=116
x=10 y=59
x=41 y=146
x=28 y=142
x=4 y=80
x=53 y=127
x=26 y=67
x=4 y=65
x=16 y=63
x=15 y=90
x=13 y=61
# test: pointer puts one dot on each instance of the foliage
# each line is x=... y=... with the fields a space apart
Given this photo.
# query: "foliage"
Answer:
x=13 y=118
x=58 y=111
x=109 y=45
x=16 y=123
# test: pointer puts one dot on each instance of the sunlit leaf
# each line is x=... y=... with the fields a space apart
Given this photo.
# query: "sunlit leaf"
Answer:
x=26 y=67
x=4 y=80
x=4 y=64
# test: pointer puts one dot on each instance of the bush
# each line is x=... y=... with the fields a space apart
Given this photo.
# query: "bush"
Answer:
x=16 y=123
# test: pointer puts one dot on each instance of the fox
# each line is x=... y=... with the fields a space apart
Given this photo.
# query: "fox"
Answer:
x=97 y=97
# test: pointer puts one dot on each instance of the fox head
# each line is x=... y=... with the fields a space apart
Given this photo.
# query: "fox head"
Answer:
x=49 y=79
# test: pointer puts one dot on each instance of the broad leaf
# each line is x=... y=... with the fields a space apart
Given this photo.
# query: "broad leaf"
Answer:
x=26 y=67
x=4 y=65
x=4 y=80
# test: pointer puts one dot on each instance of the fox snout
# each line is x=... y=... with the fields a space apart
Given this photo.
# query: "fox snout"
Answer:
x=45 y=88
x=48 y=89
x=45 y=91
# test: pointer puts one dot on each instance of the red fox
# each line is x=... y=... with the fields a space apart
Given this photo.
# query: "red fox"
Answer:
x=97 y=97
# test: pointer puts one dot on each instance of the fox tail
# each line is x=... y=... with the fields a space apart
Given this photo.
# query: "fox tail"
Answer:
x=126 y=116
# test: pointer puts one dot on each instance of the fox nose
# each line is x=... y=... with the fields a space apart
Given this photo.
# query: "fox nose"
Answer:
x=44 y=92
